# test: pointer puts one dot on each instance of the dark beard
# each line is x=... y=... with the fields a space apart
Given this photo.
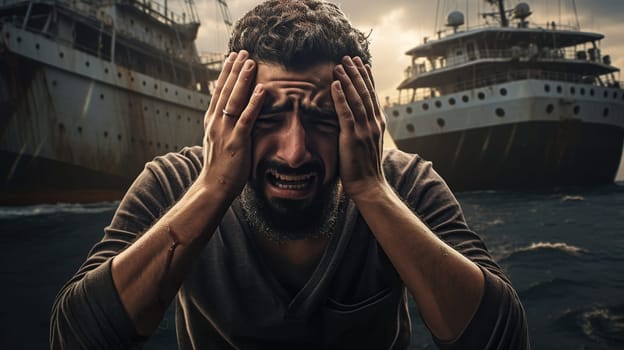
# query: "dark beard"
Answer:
x=288 y=220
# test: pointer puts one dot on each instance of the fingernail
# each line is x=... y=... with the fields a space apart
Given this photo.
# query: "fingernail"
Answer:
x=249 y=65
x=231 y=56
x=242 y=55
x=347 y=61
x=338 y=86
x=340 y=69
x=258 y=90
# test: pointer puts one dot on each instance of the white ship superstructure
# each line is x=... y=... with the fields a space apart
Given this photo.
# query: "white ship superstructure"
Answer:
x=512 y=106
x=90 y=91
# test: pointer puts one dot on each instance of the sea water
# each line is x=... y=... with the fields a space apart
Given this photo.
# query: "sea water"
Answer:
x=562 y=249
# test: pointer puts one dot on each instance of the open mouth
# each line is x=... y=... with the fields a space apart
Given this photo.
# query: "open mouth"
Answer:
x=291 y=182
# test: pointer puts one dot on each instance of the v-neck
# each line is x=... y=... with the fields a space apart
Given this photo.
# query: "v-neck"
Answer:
x=308 y=295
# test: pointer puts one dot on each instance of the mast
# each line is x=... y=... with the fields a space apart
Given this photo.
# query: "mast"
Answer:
x=503 y=16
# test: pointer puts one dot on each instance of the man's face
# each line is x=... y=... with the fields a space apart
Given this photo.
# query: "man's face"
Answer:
x=295 y=139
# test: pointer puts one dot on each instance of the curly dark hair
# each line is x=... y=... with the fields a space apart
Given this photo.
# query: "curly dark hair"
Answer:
x=298 y=34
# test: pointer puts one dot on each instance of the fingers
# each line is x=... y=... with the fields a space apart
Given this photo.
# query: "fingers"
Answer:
x=225 y=72
x=250 y=113
x=236 y=86
x=357 y=87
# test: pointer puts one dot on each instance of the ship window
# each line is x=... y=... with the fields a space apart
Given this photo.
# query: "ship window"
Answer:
x=550 y=108
x=157 y=111
x=197 y=121
x=145 y=108
x=559 y=89
x=591 y=92
x=119 y=137
x=503 y=92
x=425 y=106
x=605 y=112
x=176 y=92
x=395 y=113
x=158 y=145
x=19 y=39
x=614 y=94
x=119 y=75
x=410 y=127
x=582 y=91
x=105 y=70
x=79 y=129
x=7 y=35
x=481 y=96
x=500 y=112
x=144 y=83
x=605 y=94
x=577 y=109
x=61 y=126
x=188 y=96
x=37 y=46
x=547 y=88
x=451 y=101
x=53 y=82
x=572 y=90
x=441 y=122
x=188 y=119
x=408 y=110
x=155 y=86
x=438 y=104
x=105 y=133
x=179 y=117
x=101 y=96
x=166 y=89
x=465 y=98
x=166 y=146
x=87 y=63
x=167 y=114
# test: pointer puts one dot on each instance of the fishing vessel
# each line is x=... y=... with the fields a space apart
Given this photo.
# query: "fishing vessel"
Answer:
x=511 y=104
x=90 y=90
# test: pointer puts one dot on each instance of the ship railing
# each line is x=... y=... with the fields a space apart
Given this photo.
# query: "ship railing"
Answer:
x=515 y=53
x=160 y=12
x=424 y=93
x=549 y=25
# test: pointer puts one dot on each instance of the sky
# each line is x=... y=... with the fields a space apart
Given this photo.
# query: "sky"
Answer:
x=396 y=26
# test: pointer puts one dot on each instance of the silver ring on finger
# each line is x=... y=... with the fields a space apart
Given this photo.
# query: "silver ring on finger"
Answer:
x=231 y=115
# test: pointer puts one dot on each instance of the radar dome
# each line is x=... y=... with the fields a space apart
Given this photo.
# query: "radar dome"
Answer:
x=455 y=19
x=522 y=10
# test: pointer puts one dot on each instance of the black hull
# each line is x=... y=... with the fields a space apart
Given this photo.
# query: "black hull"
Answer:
x=524 y=155
x=30 y=180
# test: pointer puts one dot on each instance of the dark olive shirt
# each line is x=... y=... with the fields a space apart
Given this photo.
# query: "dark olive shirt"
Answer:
x=354 y=299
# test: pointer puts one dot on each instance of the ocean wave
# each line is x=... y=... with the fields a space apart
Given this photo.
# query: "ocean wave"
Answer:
x=61 y=208
x=601 y=324
x=572 y=198
x=543 y=247
x=553 y=288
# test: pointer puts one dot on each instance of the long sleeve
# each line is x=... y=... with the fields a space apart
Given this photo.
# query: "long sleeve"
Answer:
x=500 y=321
x=88 y=313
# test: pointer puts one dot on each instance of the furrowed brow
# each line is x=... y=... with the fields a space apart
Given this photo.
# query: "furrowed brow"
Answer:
x=269 y=108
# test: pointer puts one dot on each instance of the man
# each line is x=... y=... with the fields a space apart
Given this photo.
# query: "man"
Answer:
x=290 y=227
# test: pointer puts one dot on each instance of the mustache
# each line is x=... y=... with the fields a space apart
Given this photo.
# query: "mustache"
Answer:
x=285 y=169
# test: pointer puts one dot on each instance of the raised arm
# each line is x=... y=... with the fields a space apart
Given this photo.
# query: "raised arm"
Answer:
x=144 y=270
x=449 y=288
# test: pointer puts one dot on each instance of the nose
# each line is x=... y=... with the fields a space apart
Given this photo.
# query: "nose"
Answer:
x=292 y=147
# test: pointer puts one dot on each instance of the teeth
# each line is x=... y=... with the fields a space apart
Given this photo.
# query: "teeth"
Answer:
x=291 y=182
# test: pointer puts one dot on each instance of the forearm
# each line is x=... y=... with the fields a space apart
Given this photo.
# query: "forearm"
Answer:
x=446 y=285
x=148 y=274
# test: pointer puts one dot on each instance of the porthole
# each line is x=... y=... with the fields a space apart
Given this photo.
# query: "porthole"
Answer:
x=465 y=98
x=572 y=90
x=550 y=108
x=157 y=111
x=438 y=104
x=53 y=82
x=481 y=96
x=179 y=117
x=188 y=119
x=119 y=75
x=119 y=137
x=395 y=113
x=87 y=63
x=425 y=106
x=547 y=88
x=605 y=94
x=176 y=92
x=408 y=110
x=559 y=89
x=577 y=109
x=166 y=89
x=143 y=83
x=105 y=70
x=500 y=112
x=155 y=86
x=61 y=126
x=79 y=129
x=614 y=94
x=451 y=101
x=441 y=122
x=61 y=54
x=105 y=133
x=410 y=127
x=503 y=92
x=166 y=146
x=188 y=97
x=582 y=91
x=37 y=46
x=605 y=112
x=101 y=96
x=145 y=108
x=591 y=92
x=19 y=39
x=158 y=145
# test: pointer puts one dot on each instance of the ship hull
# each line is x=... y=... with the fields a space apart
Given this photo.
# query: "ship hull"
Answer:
x=77 y=128
x=541 y=154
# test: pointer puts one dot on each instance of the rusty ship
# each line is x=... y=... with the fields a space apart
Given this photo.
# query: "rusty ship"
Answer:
x=509 y=104
x=90 y=90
